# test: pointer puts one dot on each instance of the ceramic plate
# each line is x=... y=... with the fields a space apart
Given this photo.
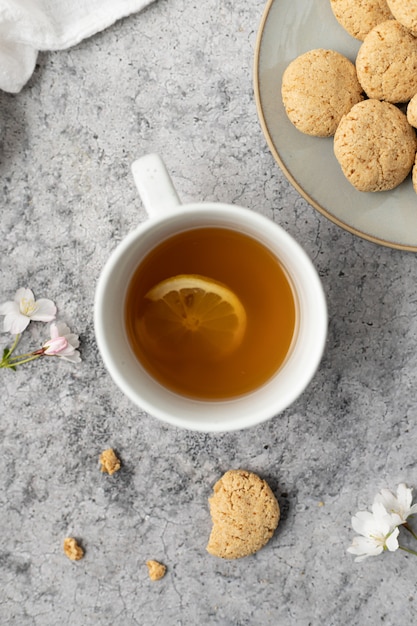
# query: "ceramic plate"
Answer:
x=288 y=29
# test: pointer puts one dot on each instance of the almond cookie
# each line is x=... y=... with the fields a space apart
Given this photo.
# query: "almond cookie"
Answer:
x=386 y=63
x=405 y=12
x=358 y=17
x=375 y=146
x=245 y=514
x=412 y=111
x=318 y=87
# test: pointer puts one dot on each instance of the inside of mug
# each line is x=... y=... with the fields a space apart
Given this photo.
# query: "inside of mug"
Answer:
x=212 y=415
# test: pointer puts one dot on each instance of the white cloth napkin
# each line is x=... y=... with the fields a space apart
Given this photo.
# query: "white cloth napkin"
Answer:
x=27 y=26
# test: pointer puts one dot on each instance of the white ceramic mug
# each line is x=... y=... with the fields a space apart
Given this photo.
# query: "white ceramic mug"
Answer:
x=168 y=216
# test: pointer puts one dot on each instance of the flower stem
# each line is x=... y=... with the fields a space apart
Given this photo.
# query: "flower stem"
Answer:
x=13 y=348
x=7 y=352
x=408 y=550
x=30 y=357
x=410 y=530
x=19 y=357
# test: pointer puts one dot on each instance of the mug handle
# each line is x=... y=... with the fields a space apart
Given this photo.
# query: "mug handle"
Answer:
x=154 y=184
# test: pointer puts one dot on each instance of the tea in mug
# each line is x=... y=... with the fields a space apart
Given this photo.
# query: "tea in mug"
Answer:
x=211 y=313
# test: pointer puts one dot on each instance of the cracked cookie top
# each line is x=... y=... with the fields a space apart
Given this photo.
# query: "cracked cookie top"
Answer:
x=245 y=514
x=375 y=146
x=386 y=63
x=405 y=12
x=358 y=17
x=318 y=87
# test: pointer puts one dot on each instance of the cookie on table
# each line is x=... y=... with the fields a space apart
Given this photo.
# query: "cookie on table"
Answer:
x=405 y=12
x=245 y=514
x=318 y=87
x=412 y=111
x=386 y=63
x=375 y=146
x=358 y=17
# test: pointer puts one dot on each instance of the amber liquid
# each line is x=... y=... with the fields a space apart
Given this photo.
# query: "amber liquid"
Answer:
x=255 y=275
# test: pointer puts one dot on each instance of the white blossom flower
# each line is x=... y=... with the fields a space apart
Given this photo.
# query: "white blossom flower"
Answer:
x=24 y=308
x=63 y=343
x=378 y=532
x=400 y=504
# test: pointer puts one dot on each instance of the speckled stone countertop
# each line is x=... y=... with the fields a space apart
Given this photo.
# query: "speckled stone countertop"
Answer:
x=176 y=79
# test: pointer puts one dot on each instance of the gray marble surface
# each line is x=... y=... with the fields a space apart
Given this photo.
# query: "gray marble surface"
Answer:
x=176 y=79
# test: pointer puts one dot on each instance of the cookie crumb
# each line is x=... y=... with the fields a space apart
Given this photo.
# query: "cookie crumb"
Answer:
x=156 y=570
x=72 y=549
x=109 y=461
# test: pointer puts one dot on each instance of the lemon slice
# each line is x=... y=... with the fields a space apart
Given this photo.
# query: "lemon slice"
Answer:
x=195 y=315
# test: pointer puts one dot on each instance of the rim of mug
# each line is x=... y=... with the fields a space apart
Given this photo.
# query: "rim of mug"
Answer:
x=238 y=412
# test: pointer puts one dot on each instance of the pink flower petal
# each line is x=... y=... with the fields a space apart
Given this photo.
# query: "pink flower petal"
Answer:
x=73 y=340
x=55 y=346
x=54 y=330
x=62 y=343
x=67 y=350
x=23 y=294
x=364 y=546
x=62 y=328
x=45 y=310
x=73 y=358
x=392 y=542
x=15 y=323
x=9 y=307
